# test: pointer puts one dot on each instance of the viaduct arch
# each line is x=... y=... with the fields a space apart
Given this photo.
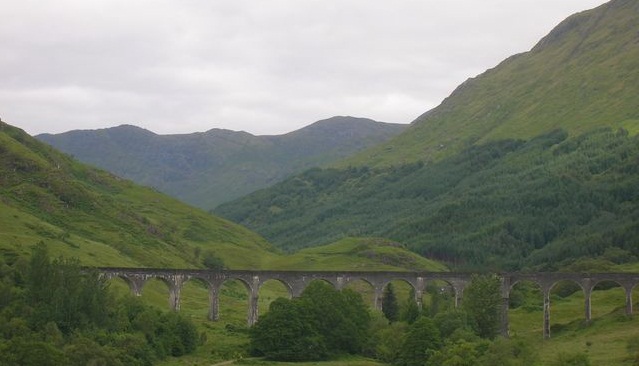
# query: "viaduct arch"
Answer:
x=296 y=282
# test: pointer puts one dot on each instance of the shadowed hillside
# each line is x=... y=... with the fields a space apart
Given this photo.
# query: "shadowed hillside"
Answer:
x=205 y=169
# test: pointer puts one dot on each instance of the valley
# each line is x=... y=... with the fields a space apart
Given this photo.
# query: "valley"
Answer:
x=512 y=198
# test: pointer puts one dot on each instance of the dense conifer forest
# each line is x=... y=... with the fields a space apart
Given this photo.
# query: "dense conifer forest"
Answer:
x=511 y=204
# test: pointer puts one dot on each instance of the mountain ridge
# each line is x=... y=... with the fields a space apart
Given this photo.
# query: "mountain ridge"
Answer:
x=580 y=76
x=529 y=164
x=104 y=220
x=206 y=168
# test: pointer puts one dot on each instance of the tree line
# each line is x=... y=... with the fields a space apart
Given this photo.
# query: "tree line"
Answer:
x=52 y=312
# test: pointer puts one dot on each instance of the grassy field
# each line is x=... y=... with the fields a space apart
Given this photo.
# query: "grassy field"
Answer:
x=605 y=339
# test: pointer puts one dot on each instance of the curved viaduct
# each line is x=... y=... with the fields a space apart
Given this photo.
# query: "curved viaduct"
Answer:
x=296 y=282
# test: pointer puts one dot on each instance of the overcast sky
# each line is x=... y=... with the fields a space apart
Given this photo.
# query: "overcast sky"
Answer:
x=262 y=66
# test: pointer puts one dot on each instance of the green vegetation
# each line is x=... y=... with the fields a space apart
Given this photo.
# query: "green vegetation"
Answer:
x=51 y=313
x=322 y=322
x=205 y=169
x=512 y=171
x=356 y=254
x=449 y=337
x=581 y=76
x=482 y=302
x=85 y=213
x=390 y=307
x=103 y=220
x=503 y=205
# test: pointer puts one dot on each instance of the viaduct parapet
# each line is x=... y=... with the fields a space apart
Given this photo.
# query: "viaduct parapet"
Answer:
x=296 y=282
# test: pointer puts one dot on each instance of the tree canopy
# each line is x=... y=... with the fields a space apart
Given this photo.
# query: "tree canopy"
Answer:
x=320 y=323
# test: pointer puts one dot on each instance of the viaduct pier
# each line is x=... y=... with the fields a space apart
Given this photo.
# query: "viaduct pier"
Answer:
x=296 y=282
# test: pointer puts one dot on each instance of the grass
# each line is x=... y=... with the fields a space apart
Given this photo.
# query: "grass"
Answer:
x=604 y=339
x=355 y=254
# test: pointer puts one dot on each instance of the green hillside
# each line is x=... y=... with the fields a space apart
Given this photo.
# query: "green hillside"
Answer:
x=529 y=164
x=356 y=254
x=582 y=75
x=104 y=220
x=505 y=204
x=205 y=169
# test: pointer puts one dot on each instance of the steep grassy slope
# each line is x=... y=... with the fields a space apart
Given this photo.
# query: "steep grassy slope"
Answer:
x=505 y=204
x=584 y=74
x=205 y=169
x=102 y=219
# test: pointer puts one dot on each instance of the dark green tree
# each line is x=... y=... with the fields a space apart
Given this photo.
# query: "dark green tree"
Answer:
x=411 y=311
x=421 y=342
x=212 y=261
x=284 y=334
x=449 y=321
x=482 y=301
x=339 y=318
x=321 y=322
x=390 y=307
x=26 y=352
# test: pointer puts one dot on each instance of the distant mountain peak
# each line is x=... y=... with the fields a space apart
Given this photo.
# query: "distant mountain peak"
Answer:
x=207 y=168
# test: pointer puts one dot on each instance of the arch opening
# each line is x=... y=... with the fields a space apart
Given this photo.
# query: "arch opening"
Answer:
x=526 y=309
x=438 y=297
x=120 y=286
x=324 y=280
x=155 y=292
x=405 y=307
x=365 y=289
x=195 y=299
x=567 y=306
x=607 y=297
x=635 y=299
x=233 y=296
x=269 y=291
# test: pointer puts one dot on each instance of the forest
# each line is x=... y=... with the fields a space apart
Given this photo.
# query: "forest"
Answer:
x=505 y=205
x=54 y=312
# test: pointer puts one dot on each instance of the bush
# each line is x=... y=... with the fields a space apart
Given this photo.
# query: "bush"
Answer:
x=321 y=322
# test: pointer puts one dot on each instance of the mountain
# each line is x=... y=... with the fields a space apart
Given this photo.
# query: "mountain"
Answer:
x=205 y=169
x=584 y=74
x=531 y=164
x=101 y=219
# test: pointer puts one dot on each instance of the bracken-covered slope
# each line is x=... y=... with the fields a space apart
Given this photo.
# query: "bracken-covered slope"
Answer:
x=205 y=169
x=584 y=74
x=530 y=164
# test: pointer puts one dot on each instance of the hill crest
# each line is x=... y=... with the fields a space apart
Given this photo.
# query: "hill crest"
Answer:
x=582 y=75
x=207 y=168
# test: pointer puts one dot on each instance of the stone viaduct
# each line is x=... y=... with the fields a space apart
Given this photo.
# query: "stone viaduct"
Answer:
x=296 y=281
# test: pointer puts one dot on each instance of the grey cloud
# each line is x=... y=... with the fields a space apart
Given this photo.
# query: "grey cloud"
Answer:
x=261 y=66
